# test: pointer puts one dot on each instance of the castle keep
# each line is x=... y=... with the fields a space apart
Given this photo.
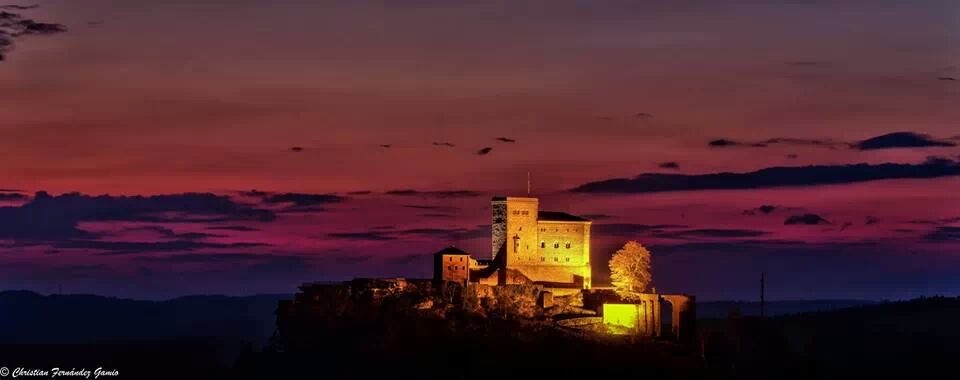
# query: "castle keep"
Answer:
x=529 y=246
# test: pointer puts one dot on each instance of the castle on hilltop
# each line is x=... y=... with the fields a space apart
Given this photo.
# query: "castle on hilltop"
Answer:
x=539 y=267
x=529 y=246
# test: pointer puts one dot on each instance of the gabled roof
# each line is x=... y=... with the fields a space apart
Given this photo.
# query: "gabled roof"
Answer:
x=452 y=251
x=557 y=216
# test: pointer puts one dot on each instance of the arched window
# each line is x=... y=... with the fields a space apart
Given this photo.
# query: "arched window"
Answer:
x=568 y=244
x=543 y=244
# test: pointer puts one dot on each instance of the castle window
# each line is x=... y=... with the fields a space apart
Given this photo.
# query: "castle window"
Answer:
x=461 y=258
x=542 y=259
x=449 y=258
x=556 y=244
x=543 y=244
x=568 y=244
x=555 y=259
x=568 y=259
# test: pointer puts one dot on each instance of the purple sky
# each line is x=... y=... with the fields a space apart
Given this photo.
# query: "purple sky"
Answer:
x=195 y=103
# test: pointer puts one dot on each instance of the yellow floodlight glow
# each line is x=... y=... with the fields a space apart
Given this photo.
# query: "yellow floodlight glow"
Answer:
x=623 y=315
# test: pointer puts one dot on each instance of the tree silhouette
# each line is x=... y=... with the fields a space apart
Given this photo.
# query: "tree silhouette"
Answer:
x=630 y=270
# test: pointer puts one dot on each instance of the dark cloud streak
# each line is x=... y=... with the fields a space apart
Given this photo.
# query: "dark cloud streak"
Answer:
x=302 y=199
x=887 y=141
x=773 y=177
x=14 y=26
x=901 y=140
x=52 y=218
x=805 y=219
x=442 y=194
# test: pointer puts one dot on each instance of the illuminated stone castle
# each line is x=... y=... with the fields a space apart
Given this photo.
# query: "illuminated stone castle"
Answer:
x=538 y=268
x=529 y=246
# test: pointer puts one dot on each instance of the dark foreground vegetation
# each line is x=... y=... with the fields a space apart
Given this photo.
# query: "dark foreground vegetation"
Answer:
x=396 y=340
x=885 y=340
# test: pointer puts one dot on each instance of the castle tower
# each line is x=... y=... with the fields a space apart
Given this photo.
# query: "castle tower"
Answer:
x=544 y=247
x=515 y=228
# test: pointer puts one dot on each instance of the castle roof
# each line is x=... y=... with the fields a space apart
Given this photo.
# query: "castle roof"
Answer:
x=557 y=216
x=503 y=198
x=452 y=251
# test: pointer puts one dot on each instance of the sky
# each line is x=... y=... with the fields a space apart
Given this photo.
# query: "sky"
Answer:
x=153 y=149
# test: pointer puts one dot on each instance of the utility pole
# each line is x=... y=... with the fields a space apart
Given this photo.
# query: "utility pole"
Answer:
x=763 y=312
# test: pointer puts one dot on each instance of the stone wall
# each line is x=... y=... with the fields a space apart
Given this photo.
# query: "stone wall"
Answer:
x=684 y=318
x=561 y=255
x=553 y=239
x=567 y=274
x=499 y=226
x=522 y=243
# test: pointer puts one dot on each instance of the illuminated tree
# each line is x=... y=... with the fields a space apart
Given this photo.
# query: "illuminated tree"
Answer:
x=630 y=270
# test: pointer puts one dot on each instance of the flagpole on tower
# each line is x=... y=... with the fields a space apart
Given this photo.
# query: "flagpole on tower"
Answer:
x=528 y=183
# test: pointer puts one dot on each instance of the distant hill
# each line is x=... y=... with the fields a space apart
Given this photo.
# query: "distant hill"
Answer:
x=878 y=340
x=721 y=309
x=31 y=318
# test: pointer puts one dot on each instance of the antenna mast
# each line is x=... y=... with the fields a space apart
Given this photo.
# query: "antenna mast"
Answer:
x=528 y=183
x=763 y=311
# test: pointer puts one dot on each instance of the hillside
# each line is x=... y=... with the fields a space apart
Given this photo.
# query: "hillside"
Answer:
x=32 y=318
x=720 y=309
